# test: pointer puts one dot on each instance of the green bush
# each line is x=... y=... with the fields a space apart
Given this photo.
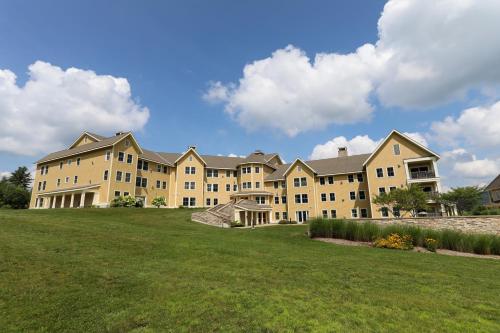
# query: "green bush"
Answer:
x=429 y=238
x=127 y=201
x=286 y=222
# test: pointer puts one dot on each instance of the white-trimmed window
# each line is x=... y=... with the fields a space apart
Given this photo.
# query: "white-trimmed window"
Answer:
x=106 y=175
x=350 y=178
x=78 y=160
x=325 y=213
x=275 y=184
x=128 y=177
x=164 y=185
x=303 y=181
x=257 y=169
x=380 y=172
x=119 y=175
x=285 y=215
x=330 y=180
x=283 y=199
x=364 y=212
x=44 y=185
x=396 y=149
x=332 y=196
x=390 y=172
x=362 y=195
x=381 y=190
x=257 y=184
x=323 y=196
x=352 y=195
x=158 y=184
x=209 y=187
x=75 y=180
x=354 y=213
x=141 y=182
x=58 y=182
x=216 y=201
x=130 y=158
x=333 y=213
x=260 y=200
x=301 y=198
x=276 y=200
x=277 y=216
x=235 y=187
x=296 y=182
x=192 y=185
x=61 y=165
x=228 y=173
x=322 y=180
x=107 y=156
x=117 y=194
x=39 y=186
x=121 y=156
x=126 y=194
x=360 y=178
x=208 y=201
x=283 y=184
x=228 y=187
x=212 y=173
x=158 y=168
x=69 y=161
x=392 y=188
x=215 y=187
x=66 y=180
x=384 y=211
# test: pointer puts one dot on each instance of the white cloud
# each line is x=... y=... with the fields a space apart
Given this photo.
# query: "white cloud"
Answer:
x=5 y=174
x=234 y=155
x=55 y=105
x=478 y=127
x=419 y=137
x=477 y=168
x=357 y=145
x=429 y=52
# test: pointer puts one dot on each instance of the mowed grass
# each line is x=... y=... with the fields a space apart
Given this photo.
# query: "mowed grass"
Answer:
x=148 y=270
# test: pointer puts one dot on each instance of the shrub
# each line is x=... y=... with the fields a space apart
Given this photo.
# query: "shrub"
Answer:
x=395 y=241
x=431 y=244
x=286 y=222
x=159 y=201
x=127 y=201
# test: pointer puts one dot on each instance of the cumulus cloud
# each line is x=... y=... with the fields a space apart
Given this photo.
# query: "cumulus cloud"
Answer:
x=360 y=144
x=478 y=168
x=429 y=52
x=419 y=137
x=56 y=105
x=4 y=174
x=478 y=127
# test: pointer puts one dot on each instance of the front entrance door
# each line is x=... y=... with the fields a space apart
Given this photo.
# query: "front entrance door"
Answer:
x=302 y=216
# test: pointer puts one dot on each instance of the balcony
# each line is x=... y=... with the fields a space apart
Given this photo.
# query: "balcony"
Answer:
x=422 y=174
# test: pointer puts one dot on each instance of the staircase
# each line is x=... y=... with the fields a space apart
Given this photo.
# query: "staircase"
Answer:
x=219 y=216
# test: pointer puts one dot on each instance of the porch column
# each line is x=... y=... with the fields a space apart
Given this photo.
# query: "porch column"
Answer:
x=62 y=200
x=247 y=218
x=72 y=200
x=82 y=200
x=54 y=198
x=434 y=166
x=407 y=170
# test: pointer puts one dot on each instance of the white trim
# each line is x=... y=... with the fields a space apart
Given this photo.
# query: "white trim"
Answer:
x=403 y=136
x=81 y=135
x=194 y=151
x=70 y=190
x=299 y=160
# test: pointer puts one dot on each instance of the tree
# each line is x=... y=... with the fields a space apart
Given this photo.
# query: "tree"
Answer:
x=411 y=199
x=159 y=201
x=21 y=177
x=466 y=198
x=13 y=196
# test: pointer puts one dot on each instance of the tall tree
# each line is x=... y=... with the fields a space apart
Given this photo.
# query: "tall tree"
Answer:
x=466 y=198
x=21 y=177
x=411 y=199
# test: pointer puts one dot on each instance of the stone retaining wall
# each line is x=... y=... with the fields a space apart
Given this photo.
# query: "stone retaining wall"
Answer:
x=477 y=224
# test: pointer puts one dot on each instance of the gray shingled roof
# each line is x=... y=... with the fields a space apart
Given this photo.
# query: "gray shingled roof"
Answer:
x=327 y=166
x=154 y=156
x=251 y=205
x=216 y=162
x=81 y=149
x=494 y=184
x=97 y=136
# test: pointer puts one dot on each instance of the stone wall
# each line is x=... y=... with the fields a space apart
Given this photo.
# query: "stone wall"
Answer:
x=476 y=224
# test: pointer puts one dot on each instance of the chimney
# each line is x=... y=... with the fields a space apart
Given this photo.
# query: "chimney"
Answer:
x=258 y=152
x=192 y=147
x=343 y=152
x=119 y=133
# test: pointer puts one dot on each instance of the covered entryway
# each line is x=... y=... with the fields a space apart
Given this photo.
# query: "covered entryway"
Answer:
x=75 y=197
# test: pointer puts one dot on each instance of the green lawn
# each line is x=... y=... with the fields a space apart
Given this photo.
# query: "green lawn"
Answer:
x=148 y=270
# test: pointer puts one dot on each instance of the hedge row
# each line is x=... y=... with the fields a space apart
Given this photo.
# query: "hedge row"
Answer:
x=369 y=232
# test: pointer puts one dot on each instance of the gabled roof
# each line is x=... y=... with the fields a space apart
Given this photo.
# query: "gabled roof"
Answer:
x=381 y=144
x=152 y=156
x=297 y=160
x=191 y=149
x=108 y=142
x=96 y=137
x=495 y=184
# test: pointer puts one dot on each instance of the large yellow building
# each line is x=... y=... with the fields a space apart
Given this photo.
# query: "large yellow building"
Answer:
x=96 y=169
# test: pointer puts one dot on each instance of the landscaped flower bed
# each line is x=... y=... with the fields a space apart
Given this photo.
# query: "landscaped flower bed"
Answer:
x=405 y=237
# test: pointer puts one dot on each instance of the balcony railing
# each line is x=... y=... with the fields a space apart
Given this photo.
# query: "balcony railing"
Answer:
x=422 y=174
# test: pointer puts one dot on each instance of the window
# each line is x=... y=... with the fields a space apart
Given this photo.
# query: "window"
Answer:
x=158 y=184
x=69 y=162
x=257 y=169
x=362 y=195
x=352 y=195
x=235 y=173
x=228 y=173
x=107 y=156
x=209 y=187
x=397 y=150
x=106 y=175
x=192 y=185
x=296 y=182
x=216 y=201
x=212 y=173
x=142 y=165
x=332 y=196
x=330 y=180
x=60 y=165
x=364 y=212
x=121 y=156
x=396 y=212
x=165 y=169
x=164 y=185
x=185 y=202
x=380 y=172
x=228 y=187
x=249 y=185
x=303 y=181
x=193 y=171
x=384 y=211
x=354 y=213
x=277 y=216
x=297 y=198
x=186 y=186
x=139 y=164
x=126 y=194
x=44 y=185
x=144 y=182
x=117 y=194
x=283 y=184
x=390 y=171
x=39 y=186
x=350 y=178
x=128 y=176
x=276 y=200
x=118 y=176
x=192 y=202
x=208 y=201
x=138 y=181
x=78 y=161
x=158 y=168
x=304 y=198
x=58 y=182
x=215 y=187
x=75 y=180
x=322 y=180
x=66 y=180
x=283 y=199
x=187 y=171
x=243 y=170
x=323 y=196
x=260 y=200
x=392 y=188
x=257 y=184
x=381 y=190
x=360 y=177
x=325 y=213
x=333 y=213
x=235 y=187
x=275 y=184
x=285 y=215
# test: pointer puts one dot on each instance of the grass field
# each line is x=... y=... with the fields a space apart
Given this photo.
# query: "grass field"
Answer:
x=148 y=270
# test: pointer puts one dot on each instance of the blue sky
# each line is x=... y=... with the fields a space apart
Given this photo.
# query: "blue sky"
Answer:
x=172 y=52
